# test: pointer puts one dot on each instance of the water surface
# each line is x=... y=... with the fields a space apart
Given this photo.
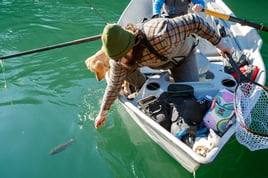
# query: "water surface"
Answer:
x=51 y=97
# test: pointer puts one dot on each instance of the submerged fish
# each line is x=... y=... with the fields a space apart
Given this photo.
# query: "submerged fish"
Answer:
x=61 y=147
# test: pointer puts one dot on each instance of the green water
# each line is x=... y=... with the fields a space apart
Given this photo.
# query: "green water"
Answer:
x=51 y=97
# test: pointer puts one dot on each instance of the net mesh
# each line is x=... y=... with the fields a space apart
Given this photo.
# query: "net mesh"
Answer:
x=251 y=106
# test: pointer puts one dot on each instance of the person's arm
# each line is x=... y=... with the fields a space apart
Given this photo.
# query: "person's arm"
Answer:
x=191 y=23
x=114 y=84
x=157 y=6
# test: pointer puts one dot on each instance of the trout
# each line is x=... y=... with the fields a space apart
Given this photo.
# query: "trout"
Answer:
x=61 y=147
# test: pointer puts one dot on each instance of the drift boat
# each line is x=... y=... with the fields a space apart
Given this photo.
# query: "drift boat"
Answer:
x=213 y=80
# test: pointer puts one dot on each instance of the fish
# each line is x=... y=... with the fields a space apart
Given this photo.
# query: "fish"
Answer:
x=61 y=147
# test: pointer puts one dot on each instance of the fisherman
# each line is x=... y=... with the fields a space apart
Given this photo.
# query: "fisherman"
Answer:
x=159 y=43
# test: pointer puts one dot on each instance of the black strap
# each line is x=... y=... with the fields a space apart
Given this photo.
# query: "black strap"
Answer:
x=151 y=48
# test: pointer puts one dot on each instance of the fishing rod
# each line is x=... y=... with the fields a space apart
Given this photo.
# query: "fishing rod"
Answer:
x=79 y=41
x=260 y=27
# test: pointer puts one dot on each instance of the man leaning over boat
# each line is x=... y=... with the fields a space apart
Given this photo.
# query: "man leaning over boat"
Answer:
x=159 y=43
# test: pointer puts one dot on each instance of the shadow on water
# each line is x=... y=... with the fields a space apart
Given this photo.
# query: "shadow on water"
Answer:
x=235 y=161
x=131 y=153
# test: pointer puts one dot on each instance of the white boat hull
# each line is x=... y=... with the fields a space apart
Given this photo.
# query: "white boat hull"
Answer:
x=242 y=38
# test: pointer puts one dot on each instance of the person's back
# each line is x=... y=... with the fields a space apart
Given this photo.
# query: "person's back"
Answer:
x=173 y=8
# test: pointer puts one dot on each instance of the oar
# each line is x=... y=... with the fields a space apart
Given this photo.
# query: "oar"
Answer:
x=235 y=19
x=79 y=41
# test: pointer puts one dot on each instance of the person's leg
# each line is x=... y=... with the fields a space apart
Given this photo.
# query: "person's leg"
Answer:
x=187 y=69
x=135 y=78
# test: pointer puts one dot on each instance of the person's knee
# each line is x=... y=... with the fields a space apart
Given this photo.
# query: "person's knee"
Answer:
x=136 y=78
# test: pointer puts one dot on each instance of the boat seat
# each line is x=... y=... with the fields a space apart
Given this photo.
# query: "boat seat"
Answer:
x=203 y=63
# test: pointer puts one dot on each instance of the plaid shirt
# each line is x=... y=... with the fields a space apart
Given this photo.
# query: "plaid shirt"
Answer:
x=164 y=35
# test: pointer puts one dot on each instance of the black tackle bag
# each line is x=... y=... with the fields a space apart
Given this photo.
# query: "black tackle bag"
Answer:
x=177 y=102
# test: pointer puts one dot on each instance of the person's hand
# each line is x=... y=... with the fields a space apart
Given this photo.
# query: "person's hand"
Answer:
x=100 y=120
x=224 y=47
x=197 y=7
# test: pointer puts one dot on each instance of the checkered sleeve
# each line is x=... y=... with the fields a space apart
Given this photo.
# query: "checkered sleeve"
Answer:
x=164 y=34
x=192 y=23
x=115 y=80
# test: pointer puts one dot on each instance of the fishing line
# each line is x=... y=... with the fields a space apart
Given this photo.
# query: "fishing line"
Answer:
x=93 y=38
x=97 y=12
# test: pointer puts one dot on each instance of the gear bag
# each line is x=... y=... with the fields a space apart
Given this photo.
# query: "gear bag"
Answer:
x=175 y=106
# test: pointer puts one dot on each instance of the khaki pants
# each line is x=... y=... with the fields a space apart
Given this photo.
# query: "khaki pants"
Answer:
x=135 y=78
x=187 y=69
